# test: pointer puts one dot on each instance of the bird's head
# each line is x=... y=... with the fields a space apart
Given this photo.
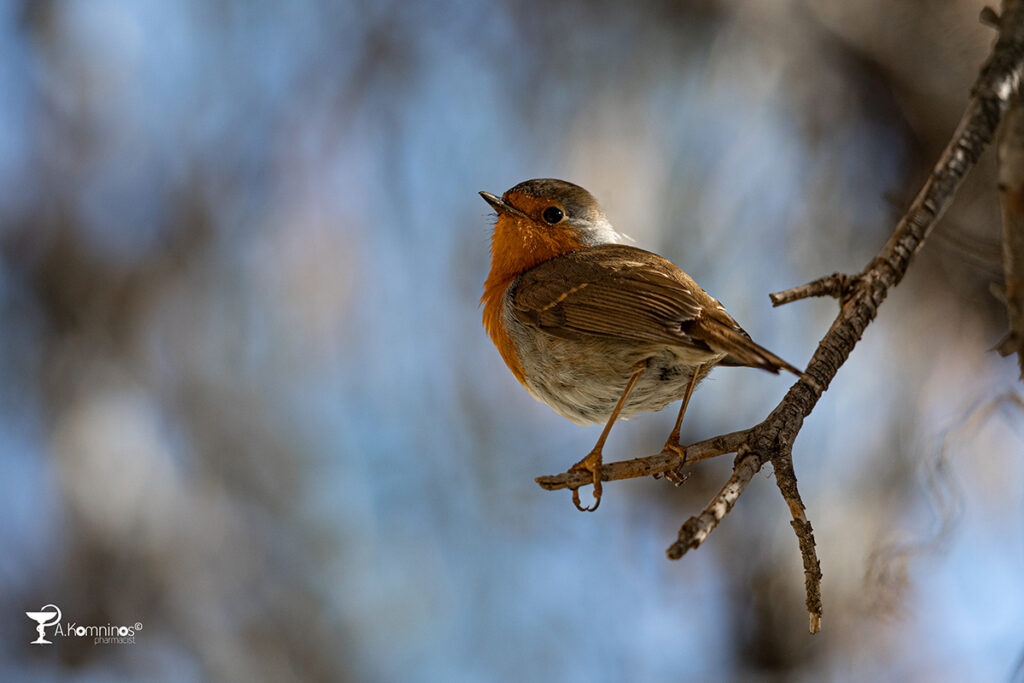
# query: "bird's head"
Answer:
x=541 y=219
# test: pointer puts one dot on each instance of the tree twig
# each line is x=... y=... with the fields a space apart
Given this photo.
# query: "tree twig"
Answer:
x=659 y=463
x=835 y=285
x=785 y=477
x=1011 y=196
x=696 y=529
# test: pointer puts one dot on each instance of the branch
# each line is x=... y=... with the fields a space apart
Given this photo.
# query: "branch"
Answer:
x=835 y=285
x=661 y=463
x=860 y=296
x=785 y=477
x=1011 y=196
x=696 y=529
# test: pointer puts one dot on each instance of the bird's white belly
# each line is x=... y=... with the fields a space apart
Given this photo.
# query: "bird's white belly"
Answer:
x=583 y=382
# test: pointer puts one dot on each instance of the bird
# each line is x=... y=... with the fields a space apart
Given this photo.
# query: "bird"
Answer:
x=597 y=329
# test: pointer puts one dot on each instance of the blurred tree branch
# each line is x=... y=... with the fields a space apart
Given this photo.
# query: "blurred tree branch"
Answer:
x=1011 y=196
x=859 y=296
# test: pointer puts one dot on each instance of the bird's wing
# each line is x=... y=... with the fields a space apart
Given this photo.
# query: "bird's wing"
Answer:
x=620 y=292
x=613 y=291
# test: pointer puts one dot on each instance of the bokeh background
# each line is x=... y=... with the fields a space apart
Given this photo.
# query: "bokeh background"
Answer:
x=245 y=398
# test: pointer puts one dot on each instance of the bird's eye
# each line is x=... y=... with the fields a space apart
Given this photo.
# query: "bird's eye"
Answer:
x=552 y=214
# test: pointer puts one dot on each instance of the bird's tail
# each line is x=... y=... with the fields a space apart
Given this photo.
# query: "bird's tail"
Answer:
x=742 y=350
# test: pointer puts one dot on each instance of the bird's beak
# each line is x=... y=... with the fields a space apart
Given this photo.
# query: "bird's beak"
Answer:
x=501 y=206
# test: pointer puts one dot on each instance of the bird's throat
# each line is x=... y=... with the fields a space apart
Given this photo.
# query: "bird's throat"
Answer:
x=517 y=245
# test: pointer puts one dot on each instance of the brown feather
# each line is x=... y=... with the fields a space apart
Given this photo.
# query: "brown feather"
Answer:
x=737 y=343
x=625 y=293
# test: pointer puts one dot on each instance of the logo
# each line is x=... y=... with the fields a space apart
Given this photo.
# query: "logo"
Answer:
x=47 y=616
x=110 y=634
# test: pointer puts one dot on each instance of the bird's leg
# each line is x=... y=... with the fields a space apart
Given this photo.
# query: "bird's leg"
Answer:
x=592 y=463
x=673 y=439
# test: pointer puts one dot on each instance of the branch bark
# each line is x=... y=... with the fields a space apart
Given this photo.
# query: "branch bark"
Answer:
x=859 y=295
x=1011 y=196
x=660 y=463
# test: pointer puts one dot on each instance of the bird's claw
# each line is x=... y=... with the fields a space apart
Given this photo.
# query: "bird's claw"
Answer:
x=580 y=506
x=674 y=475
x=592 y=464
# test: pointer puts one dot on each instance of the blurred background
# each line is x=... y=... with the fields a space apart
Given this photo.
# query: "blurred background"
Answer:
x=246 y=399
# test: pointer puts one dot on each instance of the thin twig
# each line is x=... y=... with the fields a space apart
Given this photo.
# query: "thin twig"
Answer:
x=1011 y=196
x=785 y=478
x=659 y=463
x=835 y=285
x=696 y=529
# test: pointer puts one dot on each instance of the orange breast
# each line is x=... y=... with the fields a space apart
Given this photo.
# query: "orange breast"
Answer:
x=517 y=245
x=494 y=324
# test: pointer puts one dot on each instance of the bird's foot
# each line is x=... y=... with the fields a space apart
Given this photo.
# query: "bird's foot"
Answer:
x=592 y=464
x=673 y=446
x=675 y=475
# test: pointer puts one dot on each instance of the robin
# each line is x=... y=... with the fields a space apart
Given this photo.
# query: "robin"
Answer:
x=595 y=329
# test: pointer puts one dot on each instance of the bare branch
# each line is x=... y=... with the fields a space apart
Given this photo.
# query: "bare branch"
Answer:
x=1011 y=195
x=785 y=477
x=653 y=464
x=835 y=285
x=696 y=529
